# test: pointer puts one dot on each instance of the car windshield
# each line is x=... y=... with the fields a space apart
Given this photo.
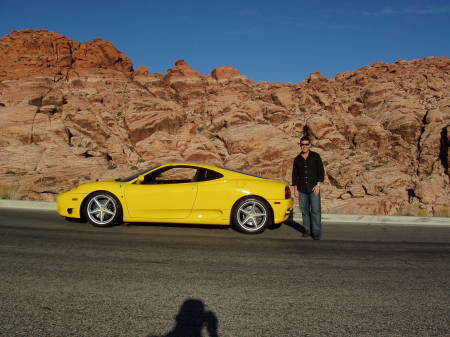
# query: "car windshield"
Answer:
x=134 y=176
x=249 y=174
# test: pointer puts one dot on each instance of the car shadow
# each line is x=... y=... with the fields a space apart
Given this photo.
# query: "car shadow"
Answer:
x=178 y=225
x=191 y=319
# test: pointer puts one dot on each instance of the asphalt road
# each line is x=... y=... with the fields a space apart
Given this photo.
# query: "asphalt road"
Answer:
x=60 y=278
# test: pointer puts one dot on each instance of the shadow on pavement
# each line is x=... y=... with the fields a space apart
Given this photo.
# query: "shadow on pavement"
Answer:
x=183 y=225
x=294 y=224
x=191 y=319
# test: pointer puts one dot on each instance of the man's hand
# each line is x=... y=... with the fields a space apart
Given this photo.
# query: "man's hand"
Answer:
x=295 y=192
x=316 y=189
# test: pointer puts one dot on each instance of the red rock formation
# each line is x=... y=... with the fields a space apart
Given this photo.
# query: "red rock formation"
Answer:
x=182 y=72
x=226 y=73
x=32 y=53
x=72 y=112
x=141 y=71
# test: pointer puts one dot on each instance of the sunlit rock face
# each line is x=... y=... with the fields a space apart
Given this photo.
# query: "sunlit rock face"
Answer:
x=73 y=112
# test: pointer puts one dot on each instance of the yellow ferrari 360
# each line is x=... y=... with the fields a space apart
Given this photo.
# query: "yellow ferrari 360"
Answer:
x=181 y=193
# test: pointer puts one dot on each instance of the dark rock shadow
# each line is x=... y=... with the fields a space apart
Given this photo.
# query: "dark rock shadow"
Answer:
x=443 y=151
x=191 y=319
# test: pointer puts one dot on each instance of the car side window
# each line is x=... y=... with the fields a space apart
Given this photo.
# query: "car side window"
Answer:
x=207 y=175
x=171 y=175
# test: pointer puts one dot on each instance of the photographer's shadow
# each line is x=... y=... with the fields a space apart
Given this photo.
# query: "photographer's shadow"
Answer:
x=191 y=319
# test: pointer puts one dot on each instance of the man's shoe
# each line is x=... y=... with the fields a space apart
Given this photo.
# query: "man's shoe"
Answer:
x=316 y=237
x=305 y=235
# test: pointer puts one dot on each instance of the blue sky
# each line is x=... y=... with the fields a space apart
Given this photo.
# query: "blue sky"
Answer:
x=282 y=40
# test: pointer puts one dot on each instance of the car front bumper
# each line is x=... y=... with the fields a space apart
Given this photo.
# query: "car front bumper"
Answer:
x=69 y=204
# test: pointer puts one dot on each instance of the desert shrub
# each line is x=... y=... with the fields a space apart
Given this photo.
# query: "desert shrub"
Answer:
x=9 y=192
x=112 y=166
x=442 y=211
x=413 y=210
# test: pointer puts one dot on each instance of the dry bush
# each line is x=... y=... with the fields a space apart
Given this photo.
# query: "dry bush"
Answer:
x=9 y=192
x=442 y=211
x=413 y=210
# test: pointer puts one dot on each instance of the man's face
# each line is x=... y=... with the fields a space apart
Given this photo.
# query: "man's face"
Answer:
x=304 y=145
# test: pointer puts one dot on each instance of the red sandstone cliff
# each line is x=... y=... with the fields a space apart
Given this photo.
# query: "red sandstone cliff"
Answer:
x=72 y=112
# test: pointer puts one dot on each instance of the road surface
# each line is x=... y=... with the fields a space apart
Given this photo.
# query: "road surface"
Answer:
x=61 y=278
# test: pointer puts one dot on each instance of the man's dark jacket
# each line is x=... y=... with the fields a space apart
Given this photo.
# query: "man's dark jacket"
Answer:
x=307 y=172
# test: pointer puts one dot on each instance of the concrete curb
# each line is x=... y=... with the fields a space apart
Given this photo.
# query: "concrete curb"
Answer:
x=384 y=220
x=28 y=204
x=326 y=218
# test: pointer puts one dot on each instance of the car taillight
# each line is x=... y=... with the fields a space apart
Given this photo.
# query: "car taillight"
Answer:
x=287 y=193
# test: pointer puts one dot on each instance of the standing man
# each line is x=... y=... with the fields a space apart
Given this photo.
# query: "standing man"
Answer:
x=307 y=176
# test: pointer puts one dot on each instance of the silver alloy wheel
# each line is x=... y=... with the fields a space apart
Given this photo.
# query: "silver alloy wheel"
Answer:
x=252 y=215
x=101 y=209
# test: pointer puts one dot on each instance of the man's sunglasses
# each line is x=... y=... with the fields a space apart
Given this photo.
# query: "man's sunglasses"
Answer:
x=304 y=144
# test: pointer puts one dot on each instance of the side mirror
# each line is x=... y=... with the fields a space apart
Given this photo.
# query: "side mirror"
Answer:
x=140 y=180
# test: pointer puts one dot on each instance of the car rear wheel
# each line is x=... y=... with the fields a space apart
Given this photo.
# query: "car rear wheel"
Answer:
x=102 y=209
x=251 y=215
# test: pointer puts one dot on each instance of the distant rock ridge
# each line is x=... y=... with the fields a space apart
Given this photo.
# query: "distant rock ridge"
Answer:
x=40 y=52
x=72 y=112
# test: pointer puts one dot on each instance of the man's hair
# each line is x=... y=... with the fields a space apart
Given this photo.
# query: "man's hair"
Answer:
x=304 y=138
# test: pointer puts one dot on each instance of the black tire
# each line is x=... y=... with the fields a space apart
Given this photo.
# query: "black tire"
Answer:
x=251 y=215
x=102 y=209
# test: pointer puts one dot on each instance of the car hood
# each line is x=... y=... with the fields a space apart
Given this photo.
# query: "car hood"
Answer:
x=95 y=185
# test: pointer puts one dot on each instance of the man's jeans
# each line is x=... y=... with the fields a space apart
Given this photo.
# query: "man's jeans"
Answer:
x=311 y=213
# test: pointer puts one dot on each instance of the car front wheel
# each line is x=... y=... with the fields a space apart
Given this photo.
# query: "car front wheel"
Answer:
x=251 y=215
x=102 y=209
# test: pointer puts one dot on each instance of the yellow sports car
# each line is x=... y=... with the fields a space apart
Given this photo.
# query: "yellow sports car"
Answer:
x=181 y=193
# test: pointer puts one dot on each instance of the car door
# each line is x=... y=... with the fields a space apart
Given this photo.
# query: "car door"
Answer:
x=215 y=197
x=168 y=193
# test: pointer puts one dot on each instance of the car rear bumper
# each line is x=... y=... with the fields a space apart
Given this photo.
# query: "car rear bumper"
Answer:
x=281 y=209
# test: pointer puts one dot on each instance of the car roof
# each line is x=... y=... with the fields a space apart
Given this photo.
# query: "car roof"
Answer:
x=208 y=166
x=223 y=170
